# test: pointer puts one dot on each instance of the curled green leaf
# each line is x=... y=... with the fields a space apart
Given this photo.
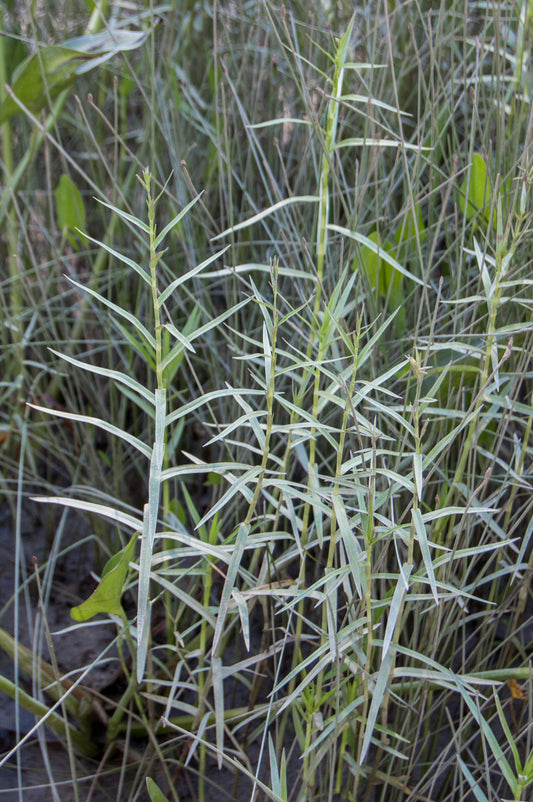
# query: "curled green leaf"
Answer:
x=106 y=597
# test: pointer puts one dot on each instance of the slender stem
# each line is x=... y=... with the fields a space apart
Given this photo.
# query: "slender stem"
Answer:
x=493 y=301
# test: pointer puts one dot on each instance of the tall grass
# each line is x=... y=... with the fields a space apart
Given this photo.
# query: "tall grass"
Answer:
x=289 y=392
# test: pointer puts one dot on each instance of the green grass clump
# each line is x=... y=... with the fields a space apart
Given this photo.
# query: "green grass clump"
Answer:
x=282 y=261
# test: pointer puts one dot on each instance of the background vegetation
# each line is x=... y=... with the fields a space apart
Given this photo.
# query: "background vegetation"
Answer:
x=282 y=256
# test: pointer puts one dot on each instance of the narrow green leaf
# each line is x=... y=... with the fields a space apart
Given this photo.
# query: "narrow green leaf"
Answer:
x=267 y=212
x=186 y=409
x=380 y=687
x=279 y=121
x=421 y=536
x=118 y=310
x=89 y=506
x=366 y=99
x=356 y=556
x=198 y=735
x=186 y=339
x=107 y=427
x=141 y=347
x=186 y=276
x=478 y=793
x=278 y=775
x=151 y=511
x=218 y=698
x=242 y=607
x=489 y=735
x=508 y=734
x=126 y=216
x=174 y=222
x=233 y=567
x=143 y=592
x=358 y=142
x=127 y=261
x=156 y=464
x=418 y=474
x=116 y=375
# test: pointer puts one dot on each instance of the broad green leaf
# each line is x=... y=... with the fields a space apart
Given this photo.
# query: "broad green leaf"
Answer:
x=385 y=255
x=44 y=75
x=70 y=210
x=106 y=44
x=14 y=54
x=106 y=598
x=412 y=226
x=155 y=794
x=384 y=278
x=475 y=190
x=373 y=263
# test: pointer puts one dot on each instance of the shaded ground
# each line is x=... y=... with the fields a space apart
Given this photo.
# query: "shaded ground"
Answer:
x=73 y=649
x=41 y=763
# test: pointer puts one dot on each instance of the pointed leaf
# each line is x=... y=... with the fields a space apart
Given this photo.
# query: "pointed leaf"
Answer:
x=108 y=427
x=106 y=598
x=41 y=76
x=236 y=557
x=150 y=339
x=266 y=212
x=475 y=189
x=153 y=790
x=174 y=222
x=116 y=375
x=186 y=276
x=70 y=209
x=373 y=247
x=89 y=506
x=421 y=536
x=120 y=256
